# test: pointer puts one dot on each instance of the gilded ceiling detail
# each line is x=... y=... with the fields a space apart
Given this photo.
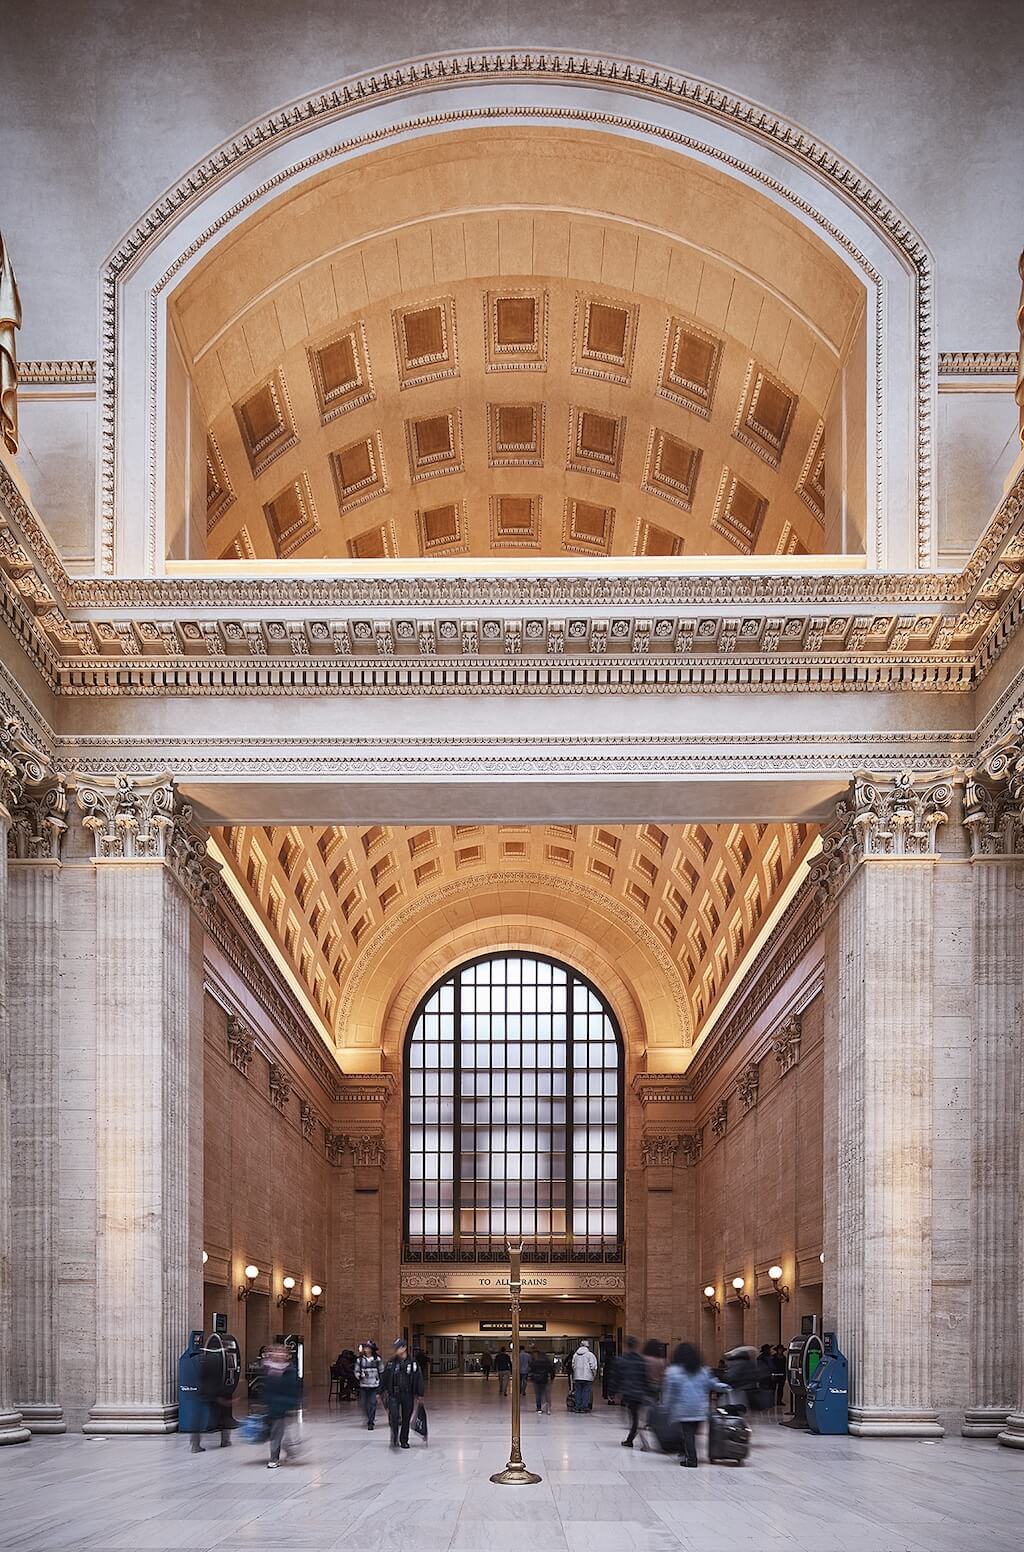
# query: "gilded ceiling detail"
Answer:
x=703 y=892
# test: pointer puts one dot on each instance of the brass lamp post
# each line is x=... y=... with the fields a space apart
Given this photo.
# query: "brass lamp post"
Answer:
x=515 y=1471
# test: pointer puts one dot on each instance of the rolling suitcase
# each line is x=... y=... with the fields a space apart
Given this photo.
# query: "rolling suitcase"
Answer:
x=667 y=1434
x=728 y=1436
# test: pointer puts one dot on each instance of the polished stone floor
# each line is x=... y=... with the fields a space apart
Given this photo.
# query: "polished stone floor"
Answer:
x=353 y=1492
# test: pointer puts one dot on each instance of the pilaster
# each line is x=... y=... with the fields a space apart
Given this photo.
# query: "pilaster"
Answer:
x=37 y=829
x=880 y=859
x=20 y=764
x=149 y=868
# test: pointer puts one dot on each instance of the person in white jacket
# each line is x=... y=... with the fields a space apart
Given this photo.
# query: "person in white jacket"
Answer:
x=584 y=1370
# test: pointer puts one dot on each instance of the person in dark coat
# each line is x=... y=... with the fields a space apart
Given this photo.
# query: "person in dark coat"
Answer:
x=486 y=1364
x=542 y=1372
x=739 y=1371
x=402 y=1385
x=282 y=1396
x=219 y=1418
x=779 y=1372
x=631 y=1381
x=503 y=1369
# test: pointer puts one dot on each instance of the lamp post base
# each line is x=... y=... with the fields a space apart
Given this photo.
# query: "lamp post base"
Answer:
x=515 y=1472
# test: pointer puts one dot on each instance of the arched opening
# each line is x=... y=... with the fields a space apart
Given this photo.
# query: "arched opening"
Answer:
x=513 y=1085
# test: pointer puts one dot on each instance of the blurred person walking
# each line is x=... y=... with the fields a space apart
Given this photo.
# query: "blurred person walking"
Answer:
x=688 y=1384
x=654 y=1358
x=631 y=1382
x=368 y=1376
x=282 y=1396
x=524 y=1370
x=503 y=1369
x=402 y=1385
x=541 y=1372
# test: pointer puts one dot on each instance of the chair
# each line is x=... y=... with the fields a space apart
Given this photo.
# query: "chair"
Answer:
x=334 y=1388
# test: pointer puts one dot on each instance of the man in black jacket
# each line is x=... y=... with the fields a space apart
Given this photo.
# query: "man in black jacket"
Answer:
x=402 y=1385
x=632 y=1384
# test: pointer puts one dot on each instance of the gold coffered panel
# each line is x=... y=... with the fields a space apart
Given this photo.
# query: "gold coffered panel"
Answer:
x=703 y=892
x=523 y=359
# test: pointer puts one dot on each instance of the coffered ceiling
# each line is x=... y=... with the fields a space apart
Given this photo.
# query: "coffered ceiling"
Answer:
x=703 y=892
x=516 y=343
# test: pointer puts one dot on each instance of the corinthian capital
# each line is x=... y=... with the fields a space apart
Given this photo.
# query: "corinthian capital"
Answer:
x=22 y=764
x=1003 y=761
x=131 y=817
x=39 y=822
x=882 y=816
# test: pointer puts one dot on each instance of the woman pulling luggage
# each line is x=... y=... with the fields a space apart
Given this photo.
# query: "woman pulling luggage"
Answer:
x=688 y=1384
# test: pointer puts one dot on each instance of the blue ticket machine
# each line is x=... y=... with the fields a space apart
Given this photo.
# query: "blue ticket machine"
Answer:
x=191 y=1406
x=828 y=1390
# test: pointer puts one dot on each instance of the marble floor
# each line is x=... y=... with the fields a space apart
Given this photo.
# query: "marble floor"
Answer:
x=353 y=1491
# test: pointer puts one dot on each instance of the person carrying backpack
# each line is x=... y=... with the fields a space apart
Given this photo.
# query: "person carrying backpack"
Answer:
x=368 y=1376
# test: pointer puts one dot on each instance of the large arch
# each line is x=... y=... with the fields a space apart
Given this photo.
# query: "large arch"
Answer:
x=755 y=149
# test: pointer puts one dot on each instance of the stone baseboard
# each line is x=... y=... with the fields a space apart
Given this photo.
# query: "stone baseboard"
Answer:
x=984 y=1422
x=894 y=1423
x=132 y=1419
x=40 y=1418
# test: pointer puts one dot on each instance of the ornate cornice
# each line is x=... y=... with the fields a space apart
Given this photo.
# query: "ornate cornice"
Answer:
x=661 y=1088
x=977 y=363
x=367 y=1088
x=56 y=372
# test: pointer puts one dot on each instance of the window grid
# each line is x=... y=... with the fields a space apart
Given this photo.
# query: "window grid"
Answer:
x=513 y=1110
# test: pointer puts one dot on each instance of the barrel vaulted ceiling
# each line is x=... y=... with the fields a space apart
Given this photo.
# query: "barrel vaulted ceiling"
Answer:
x=704 y=892
x=515 y=342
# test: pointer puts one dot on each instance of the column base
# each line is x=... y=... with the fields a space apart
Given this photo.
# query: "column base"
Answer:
x=984 y=1422
x=1013 y=1433
x=40 y=1418
x=894 y=1423
x=12 y=1429
x=132 y=1419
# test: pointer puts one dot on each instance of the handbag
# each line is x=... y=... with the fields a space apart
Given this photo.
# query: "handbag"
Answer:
x=419 y=1422
x=254 y=1429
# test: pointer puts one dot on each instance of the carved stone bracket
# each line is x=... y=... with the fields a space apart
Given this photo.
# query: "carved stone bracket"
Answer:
x=692 y=1144
x=658 y=1152
x=334 y=1147
x=748 y=1084
x=307 y=1119
x=280 y=1086
x=720 y=1117
x=367 y=1152
x=241 y=1044
x=786 y=1044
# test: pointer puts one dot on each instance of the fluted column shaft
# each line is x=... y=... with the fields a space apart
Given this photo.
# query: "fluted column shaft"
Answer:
x=12 y=1429
x=34 y=985
x=1012 y=1433
x=883 y=1280
x=995 y=1086
x=144 y=1115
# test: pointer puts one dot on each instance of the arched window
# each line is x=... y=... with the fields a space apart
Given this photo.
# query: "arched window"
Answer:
x=513 y=1115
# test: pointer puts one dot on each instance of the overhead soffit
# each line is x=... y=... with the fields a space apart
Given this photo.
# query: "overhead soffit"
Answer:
x=511 y=342
x=702 y=892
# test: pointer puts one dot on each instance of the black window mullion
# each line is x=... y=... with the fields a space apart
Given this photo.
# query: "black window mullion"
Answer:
x=457 y=1116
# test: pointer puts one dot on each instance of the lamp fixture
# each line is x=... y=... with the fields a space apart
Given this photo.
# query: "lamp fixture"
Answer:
x=251 y=1274
x=775 y=1273
x=206 y=1256
x=288 y=1284
x=712 y=1302
x=739 y=1283
x=314 y=1302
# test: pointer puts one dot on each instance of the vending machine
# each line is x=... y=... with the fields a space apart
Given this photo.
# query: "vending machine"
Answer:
x=802 y=1359
x=828 y=1390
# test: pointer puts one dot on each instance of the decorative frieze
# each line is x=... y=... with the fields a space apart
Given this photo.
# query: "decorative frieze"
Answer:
x=241 y=1044
x=786 y=1044
x=658 y=1152
x=747 y=1085
x=280 y=1086
x=692 y=1145
x=662 y=1088
x=367 y=1152
x=720 y=1117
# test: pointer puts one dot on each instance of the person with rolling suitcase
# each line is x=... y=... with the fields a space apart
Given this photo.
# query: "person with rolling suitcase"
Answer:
x=688 y=1385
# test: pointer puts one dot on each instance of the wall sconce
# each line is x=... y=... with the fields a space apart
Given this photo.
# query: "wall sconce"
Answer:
x=738 y=1284
x=206 y=1256
x=712 y=1302
x=288 y=1284
x=314 y=1303
x=775 y=1273
x=251 y=1274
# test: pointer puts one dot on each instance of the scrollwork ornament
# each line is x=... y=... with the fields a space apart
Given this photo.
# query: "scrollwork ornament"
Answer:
x=131 y=818
x=748 y=1085
x=22 y=763
x=39 y=824
x=692 y=1144
x=786 y=1044
x=720 y=1117
x=993 y=818
x=241 y=1044
x=280 y=1086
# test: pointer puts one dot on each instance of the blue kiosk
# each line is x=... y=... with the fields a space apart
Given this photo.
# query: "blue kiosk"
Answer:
x=828 y=1387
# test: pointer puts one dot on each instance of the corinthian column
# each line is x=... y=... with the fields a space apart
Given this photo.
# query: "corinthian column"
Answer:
x=37 y=828
x=880 y=860
x=19 y=762
x=147 y=1106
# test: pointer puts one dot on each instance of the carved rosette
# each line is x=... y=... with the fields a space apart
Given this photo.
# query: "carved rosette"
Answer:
x=720 y=1117
x=280 y=1086
x=748 y=1084
x=786 y=1044
x=367 y=1152
x=658 y=1152
x=692 y=1145
x=881 y=817
x=241 y=1044
x=307 y=1119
